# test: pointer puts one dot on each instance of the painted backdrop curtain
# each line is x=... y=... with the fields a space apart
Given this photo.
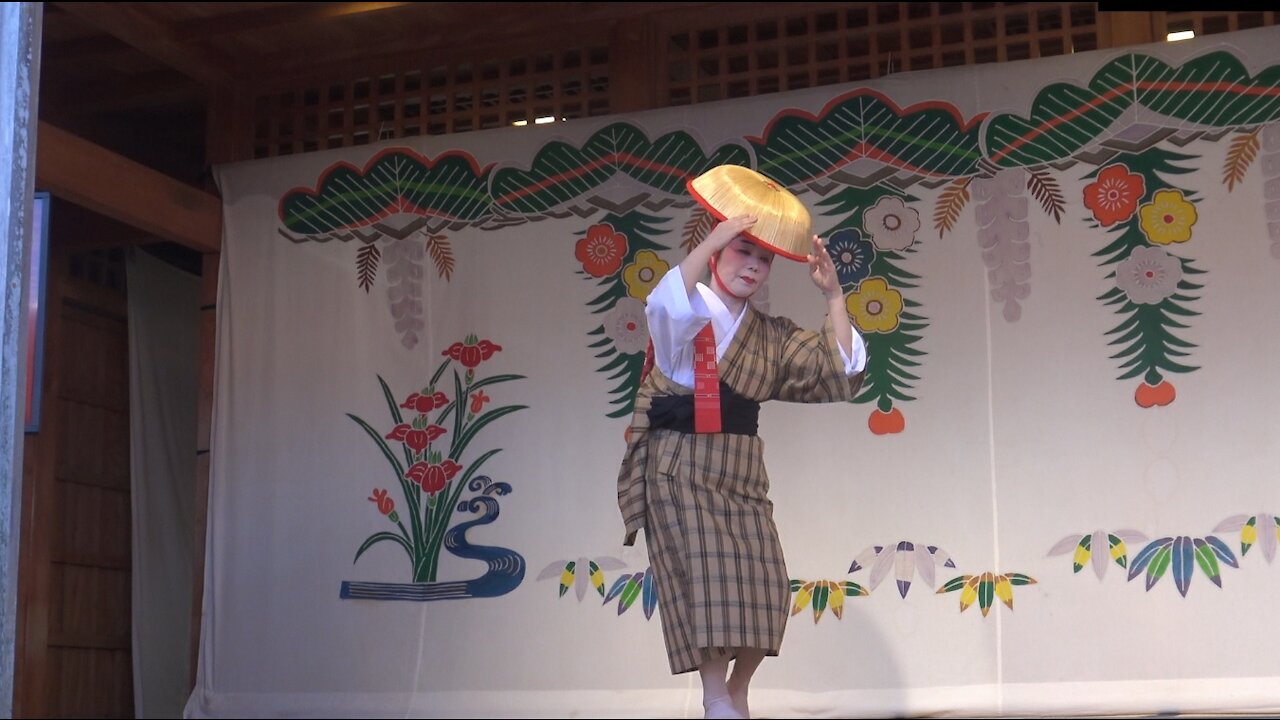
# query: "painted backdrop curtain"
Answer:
x=1055 y=493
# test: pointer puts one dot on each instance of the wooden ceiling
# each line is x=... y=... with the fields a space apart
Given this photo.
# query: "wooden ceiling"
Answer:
x=136 y=77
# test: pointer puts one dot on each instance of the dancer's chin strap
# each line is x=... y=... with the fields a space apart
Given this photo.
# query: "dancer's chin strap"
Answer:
x=715 y=276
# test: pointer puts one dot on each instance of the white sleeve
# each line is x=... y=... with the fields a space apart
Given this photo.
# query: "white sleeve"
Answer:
x=674 y=319
x=856 y=364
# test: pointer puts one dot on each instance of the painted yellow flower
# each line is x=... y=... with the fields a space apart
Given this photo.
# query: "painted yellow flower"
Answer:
x=1168 y=218
x=643 y=273
x=874 y=306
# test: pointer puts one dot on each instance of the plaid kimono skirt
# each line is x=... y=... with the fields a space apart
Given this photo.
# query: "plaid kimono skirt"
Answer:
x=703 y=498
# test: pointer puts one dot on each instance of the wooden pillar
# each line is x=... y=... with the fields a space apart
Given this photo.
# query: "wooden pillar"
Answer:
x=1121 y=29
x=633 y=66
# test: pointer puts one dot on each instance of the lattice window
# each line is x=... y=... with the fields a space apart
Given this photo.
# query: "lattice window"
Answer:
x=447 y=98
x=1210 y=23
x=834 y=43
x=103 y=267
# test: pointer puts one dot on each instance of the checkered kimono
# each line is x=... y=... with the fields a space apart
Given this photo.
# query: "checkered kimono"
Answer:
x=703 y=498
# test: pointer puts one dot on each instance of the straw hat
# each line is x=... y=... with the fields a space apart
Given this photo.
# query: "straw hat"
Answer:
x=782 y=221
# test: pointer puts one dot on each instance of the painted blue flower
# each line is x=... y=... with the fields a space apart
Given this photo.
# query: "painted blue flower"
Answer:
x=852 y=255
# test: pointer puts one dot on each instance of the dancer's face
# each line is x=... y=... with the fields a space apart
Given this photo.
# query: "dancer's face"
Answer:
x=743 y=266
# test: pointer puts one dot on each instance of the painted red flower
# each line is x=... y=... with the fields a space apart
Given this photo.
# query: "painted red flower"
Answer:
x=425 y=403
x=432 y=476
x=383 y=501
x=416 y=439
x=472 y=352
x=601 y=251
x=1114 y=196
x=478 y=399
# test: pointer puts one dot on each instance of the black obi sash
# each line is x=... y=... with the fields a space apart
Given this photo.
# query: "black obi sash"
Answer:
x=739 y=415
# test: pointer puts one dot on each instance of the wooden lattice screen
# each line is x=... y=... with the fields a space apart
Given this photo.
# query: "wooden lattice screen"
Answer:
x=828 y=45
x=699 y=57
x=446 y=98
x=1210 y=23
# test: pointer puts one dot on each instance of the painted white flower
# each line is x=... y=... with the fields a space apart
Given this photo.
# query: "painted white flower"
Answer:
x=1149 y=275
x=891 y=223
x=626 y=326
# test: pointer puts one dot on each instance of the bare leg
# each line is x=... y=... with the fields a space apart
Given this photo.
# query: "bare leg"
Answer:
x=743 y=668
x=715 y=692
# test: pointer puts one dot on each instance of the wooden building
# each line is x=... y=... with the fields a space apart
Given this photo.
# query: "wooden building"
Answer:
x=138 y=101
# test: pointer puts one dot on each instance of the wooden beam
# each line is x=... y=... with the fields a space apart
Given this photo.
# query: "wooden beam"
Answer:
x=165 y=88
x=75 y=169
x=290 y=14
x=82 y=229
x=83 y=48
x=142 y=30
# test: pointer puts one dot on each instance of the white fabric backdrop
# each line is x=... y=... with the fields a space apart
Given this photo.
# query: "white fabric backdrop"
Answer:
x=1019 y=432
x=164 y=353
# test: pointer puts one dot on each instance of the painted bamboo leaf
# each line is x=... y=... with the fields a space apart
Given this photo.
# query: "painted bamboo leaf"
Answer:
x=650 y=594
x=597 y=577
x=1208 y=562
x=631 y=591
x=1159 y=564
x=567 y=577
x=1145 y=555
x=616 y=589
x=853 y=589
x=1004 y=590
x=986 y=592
x=1181 y=560
x=904 y=567
x=821 y=594
x=835 y=598
x=1119 y=552
x=970 y=591
x=863 y=558
x=804 y=595
x=1222 y=551
x=1081 y=557
x=1065 y=545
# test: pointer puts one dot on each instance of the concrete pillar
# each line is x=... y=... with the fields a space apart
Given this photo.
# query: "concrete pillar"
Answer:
x=19 y=83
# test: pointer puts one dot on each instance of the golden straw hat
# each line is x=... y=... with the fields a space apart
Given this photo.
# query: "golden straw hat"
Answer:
x=782 y=221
